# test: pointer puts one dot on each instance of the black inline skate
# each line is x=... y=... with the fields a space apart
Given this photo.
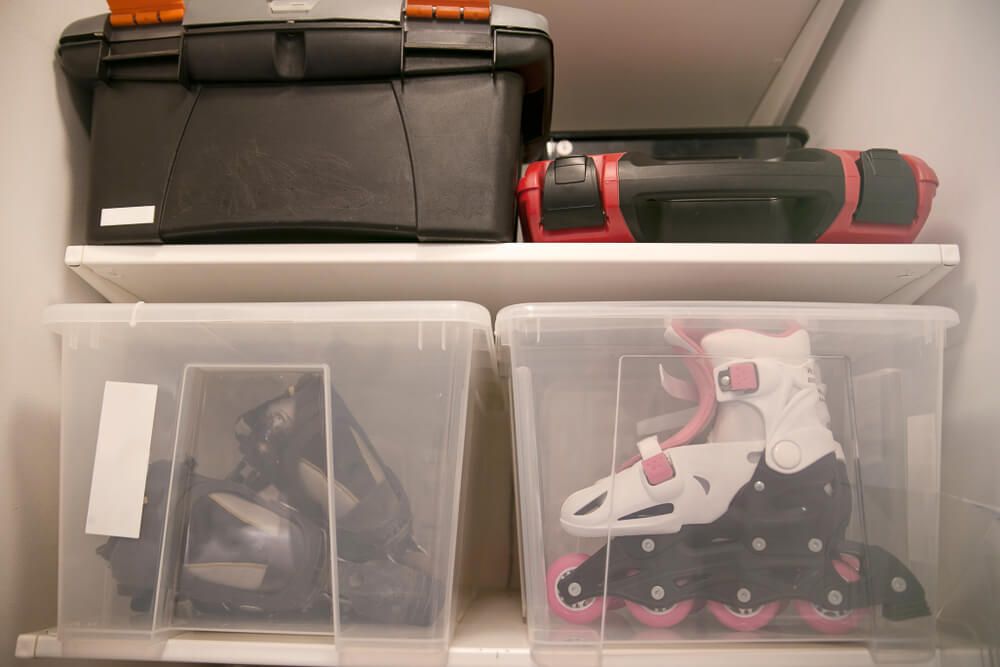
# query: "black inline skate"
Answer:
x=257 y=542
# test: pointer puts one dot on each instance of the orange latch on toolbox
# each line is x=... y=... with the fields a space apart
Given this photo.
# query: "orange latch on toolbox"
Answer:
x=145 y=12
x=458 y=10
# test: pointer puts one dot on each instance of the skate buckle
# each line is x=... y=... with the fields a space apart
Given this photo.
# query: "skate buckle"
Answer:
x=741 y=377
x=655 y=464
x=657 y=469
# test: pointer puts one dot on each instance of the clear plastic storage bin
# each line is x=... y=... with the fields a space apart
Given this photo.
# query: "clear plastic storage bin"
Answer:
x=723 y=472
x=214 y=456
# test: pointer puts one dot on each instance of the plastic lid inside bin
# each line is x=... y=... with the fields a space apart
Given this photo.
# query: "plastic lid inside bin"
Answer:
x=257 y=313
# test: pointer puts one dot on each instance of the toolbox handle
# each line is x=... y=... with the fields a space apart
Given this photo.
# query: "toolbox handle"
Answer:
x=802 y=174
x=811 y=181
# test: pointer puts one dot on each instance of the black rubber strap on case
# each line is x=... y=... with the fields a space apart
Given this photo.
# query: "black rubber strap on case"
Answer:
x=571 y=197
x=888 y=188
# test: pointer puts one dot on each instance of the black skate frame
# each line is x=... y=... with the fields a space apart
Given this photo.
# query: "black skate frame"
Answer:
x=718 y=561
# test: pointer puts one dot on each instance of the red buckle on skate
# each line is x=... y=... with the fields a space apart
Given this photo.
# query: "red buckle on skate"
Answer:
x=657 y=469
x=740 y=377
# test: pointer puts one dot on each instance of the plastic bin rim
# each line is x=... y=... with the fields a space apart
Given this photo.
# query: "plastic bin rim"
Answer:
x=724 y=309
x=356 y=312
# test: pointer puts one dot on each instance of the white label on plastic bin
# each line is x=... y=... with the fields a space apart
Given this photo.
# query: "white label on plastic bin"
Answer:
x=127 y=215
x=124 y=434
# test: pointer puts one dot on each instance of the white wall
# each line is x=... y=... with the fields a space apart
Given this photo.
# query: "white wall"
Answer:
x=924 y=77
x=42 y=176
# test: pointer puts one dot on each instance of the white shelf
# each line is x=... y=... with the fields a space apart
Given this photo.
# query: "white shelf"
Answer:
x=491 y=634
x=496 y=275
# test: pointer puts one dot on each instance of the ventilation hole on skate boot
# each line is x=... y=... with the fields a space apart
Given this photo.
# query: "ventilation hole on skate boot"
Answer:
x=704 y=483
x=655 y=510
x=753 y=457
x=592 y=505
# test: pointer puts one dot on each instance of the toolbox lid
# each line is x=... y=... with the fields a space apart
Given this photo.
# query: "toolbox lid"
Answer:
x=291 y=41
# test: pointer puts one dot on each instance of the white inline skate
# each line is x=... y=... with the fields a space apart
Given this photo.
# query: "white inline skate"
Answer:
x=752 y=517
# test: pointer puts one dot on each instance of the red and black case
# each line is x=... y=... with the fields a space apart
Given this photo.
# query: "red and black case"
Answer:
x=808 y=196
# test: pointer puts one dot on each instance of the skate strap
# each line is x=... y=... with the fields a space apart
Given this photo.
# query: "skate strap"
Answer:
x=680 y=389
x=704 y=391
x=704 y=384
x=655 y=464
x=668 y=421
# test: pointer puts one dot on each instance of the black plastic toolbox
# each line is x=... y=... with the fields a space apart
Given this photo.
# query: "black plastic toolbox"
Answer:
x=311 y=120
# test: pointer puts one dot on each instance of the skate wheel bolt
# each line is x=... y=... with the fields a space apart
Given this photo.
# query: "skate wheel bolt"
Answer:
x=575 y=589
x=815 y=545
x=743 y=595
x=898 y=584
x=648 y=545
x=759 y=544
x=725 y=380
x=657 y=592
x=834 y=597
x=758 y=486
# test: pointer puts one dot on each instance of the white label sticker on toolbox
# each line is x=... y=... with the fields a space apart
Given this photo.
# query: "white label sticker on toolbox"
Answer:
x=127 y=215
x=118 y=485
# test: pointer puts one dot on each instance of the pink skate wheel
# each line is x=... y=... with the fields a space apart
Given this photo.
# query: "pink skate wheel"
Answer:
x=744 y=619
x=583 y=612
x=661 y=618
x=828 y=621
x=850 y=560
